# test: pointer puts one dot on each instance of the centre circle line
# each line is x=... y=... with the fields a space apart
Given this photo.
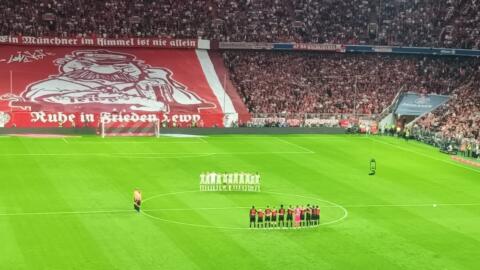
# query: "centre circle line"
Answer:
x=144 y=212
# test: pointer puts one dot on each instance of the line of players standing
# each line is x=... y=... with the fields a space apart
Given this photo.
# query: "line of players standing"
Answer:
x=237 y=181
x=295 y=217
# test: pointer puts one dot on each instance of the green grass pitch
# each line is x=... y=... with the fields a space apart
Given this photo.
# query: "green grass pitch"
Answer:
x=67 y=204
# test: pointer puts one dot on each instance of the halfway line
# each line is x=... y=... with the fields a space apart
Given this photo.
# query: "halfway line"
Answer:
x=67 y=213
x=225 y=208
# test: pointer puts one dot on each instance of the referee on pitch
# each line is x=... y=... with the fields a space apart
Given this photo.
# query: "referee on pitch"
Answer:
x=137 y=199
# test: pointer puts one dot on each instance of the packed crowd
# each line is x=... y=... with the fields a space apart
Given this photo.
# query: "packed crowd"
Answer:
x=298 y=83
x=457 y=144
x=431 y=23
x=470 y=148
x=280 y=82
x=458 y=119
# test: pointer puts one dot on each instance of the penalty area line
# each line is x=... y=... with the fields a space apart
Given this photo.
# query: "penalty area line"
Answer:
x=179 y=156
x=145 y=154
x=425 y=155
x=147 y=142
x=202 y=139
x=296 y=145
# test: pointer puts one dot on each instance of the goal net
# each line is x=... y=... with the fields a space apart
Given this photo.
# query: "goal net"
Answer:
x=130 y=129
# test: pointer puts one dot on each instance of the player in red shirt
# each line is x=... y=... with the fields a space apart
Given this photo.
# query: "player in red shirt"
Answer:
x=318 y=214
x=290 y=216
x=308 y=214
x=268 y=216
x=314 y=215
x=253 y=215
x=302 y=216
x=281 y=216
x=260 y=215
x=274 y=217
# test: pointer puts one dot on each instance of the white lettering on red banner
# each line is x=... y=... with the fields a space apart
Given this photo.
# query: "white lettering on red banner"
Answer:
x=101 y=42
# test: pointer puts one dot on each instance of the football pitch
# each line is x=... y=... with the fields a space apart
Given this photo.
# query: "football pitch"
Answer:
x=66 y=203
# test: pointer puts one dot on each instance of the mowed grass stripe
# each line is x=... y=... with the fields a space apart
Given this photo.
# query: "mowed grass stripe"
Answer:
x=34 y=236
x=359 y=182
x=402 y=237
x=422 y=152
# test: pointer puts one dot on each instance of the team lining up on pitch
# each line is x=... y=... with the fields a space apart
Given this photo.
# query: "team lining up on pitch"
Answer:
x=290 y=217
x=237 y=181
x=297 y=217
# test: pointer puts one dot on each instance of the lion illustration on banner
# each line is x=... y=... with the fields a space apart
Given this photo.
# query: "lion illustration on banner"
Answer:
x=103 y=80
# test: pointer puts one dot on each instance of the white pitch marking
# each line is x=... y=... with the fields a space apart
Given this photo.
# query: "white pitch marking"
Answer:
x=229 y=228
x=118 y=154
x=221 y=208
x=250 y=136
x=296 y=145
x=67 y=212
x=184 y=136
x=332 y=137
x=345 y=215
x=410 y=205
x=195 y=209
x=202 y=139
x=425 y=155
x=168 y=194
x=165 y=157
x=133 y=142
x=65 y=140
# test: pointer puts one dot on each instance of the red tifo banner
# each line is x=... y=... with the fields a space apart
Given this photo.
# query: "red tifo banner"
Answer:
x=135 y=42
x=66 y=86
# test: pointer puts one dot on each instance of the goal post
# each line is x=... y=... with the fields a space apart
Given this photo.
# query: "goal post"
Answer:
x=140 y=128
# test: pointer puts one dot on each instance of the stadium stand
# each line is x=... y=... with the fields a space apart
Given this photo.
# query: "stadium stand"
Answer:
x=430 y=23
x=459 y=118
x=276 y=82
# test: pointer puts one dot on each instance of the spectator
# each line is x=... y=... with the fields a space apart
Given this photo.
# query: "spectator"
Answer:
x=299 y=83
x=460 y=117
x=430 y=23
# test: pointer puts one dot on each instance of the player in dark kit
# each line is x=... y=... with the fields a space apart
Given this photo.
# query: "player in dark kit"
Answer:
x=281 y=216
x=318 y=214
x=253 y=214
x=260 y=215
x=315 y=214
x=308 y=215
x=268 y=216
x=290 y=216
x=274 y=217
x=302 y=216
